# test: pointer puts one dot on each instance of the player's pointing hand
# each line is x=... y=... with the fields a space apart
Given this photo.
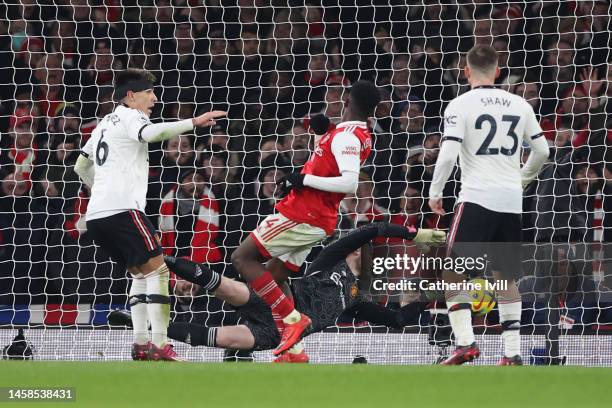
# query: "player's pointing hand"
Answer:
x=208 y=118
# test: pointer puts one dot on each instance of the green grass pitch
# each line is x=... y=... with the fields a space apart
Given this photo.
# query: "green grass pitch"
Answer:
x=145 y=384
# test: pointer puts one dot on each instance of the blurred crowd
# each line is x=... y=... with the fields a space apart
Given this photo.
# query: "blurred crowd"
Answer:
x=272 y=65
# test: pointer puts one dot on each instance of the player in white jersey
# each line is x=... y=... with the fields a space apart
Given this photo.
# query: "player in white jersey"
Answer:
x=115 y=164
x=486 y=128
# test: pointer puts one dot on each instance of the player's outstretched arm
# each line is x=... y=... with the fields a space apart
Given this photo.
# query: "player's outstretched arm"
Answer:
x=337 y=251
x=84 y=168
x=418 y=236
x=208 y=119
x=158 y=132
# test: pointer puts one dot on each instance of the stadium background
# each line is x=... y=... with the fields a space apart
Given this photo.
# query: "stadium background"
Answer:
x=272 y=65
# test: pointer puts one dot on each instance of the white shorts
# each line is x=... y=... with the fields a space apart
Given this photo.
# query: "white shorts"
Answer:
x=291 y=242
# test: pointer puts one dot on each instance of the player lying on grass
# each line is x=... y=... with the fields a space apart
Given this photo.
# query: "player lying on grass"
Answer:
x=328 y=289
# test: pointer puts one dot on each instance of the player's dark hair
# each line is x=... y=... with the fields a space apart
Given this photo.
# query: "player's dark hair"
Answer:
x=482 y=58
x=319 y=124
x=363 y=98
x=134 y=80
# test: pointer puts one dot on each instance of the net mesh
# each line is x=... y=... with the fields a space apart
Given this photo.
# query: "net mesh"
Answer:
x=272 y=65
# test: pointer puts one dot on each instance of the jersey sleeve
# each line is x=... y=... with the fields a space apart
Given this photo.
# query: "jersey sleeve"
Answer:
x=533 y=130
x=346 y=149
x=135 y=121
x=88 y=148
x=337 y=251
x=449 y=151
x=454 y=123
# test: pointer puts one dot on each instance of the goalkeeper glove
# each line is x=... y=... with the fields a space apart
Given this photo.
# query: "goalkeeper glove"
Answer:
x=429 y=236
x=425 y=237
x=290 y=181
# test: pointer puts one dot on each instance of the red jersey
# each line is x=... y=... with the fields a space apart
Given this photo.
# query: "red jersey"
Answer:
x=320 y=208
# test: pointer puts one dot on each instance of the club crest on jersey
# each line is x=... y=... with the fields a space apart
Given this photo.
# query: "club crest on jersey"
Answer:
x=354 y=291
x=113 y=118
x=319 y=151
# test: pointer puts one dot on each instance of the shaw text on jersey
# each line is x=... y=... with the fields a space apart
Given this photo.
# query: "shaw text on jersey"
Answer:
x=495 y=101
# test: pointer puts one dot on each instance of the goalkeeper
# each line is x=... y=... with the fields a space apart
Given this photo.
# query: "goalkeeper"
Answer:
x=328 y=288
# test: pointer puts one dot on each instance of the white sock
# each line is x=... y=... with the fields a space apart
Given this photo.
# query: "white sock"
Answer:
x=297 y=348
x=292 y=317
x=461 y=322
x=510 y=318
x=158 y=304
x=138 y=308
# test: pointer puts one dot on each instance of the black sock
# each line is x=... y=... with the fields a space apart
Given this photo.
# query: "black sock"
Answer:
x=194 y=272
x=193 y=334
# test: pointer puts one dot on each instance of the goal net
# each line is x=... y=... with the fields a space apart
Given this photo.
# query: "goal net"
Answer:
x=273 y=65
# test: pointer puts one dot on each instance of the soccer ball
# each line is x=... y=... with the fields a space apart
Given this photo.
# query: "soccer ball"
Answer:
x=483 y=300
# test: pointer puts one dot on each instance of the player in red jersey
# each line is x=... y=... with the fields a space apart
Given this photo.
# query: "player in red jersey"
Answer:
x=307 y=214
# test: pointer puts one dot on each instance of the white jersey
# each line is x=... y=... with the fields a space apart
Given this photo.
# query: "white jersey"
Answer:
x=121 y=161
x=491 y=125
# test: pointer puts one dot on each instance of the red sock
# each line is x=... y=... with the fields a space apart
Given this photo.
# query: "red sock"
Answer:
x=268 y=290
x=280 y=325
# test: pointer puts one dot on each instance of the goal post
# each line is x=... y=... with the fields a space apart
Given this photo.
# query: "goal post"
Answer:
x=273 y=65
